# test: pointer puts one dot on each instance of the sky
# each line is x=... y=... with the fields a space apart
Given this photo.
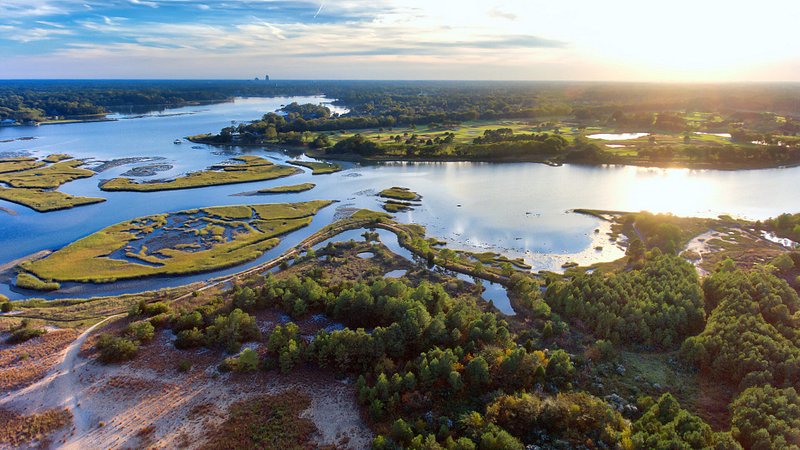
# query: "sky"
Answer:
x=609 y=40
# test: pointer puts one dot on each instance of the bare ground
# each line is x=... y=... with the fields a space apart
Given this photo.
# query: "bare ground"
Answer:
x=148 y=402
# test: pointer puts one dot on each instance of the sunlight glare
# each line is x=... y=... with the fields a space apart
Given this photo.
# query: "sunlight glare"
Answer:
x=671 y=191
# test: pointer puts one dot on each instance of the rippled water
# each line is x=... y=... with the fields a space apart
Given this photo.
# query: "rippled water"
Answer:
x=519 y=209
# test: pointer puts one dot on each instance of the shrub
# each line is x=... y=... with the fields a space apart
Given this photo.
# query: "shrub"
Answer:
x=184 y=365
x=187 y=321
x=142 y=331
x=160 y=320
x=152 y=309
x=189 y=339
x=784 y=263
x=247 y=361
x=116 y=349
x=231 y=330
x=602 y=350
x=23 y=334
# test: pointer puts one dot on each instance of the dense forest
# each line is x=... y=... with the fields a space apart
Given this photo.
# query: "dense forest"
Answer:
x=656 y=306
x=422 y=101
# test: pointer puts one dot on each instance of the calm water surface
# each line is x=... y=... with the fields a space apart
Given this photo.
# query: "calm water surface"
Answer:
x=520 y=209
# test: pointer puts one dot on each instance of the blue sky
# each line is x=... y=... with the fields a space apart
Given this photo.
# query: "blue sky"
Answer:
x=679 y=40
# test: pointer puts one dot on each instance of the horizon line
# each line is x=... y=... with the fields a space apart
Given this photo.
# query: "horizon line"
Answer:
x=422 y=80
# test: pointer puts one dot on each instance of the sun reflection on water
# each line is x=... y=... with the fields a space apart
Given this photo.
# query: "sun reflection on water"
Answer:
x=671 y=190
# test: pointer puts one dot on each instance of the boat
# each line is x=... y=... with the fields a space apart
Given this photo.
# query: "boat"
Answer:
x=177 y=141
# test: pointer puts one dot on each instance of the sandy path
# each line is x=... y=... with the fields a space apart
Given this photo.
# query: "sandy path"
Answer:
x=60 y=388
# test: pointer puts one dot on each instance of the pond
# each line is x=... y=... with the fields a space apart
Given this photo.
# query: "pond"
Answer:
x=617 y=136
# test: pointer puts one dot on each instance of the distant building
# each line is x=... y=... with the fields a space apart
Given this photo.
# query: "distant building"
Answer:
x=256 y=78
x=266 y=77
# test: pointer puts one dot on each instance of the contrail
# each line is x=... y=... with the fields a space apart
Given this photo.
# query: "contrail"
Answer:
x=321 y=5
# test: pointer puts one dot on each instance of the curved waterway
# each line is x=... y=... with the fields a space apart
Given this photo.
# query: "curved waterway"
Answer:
x=518 y=209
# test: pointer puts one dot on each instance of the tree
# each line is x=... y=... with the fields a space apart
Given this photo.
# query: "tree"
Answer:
x=231 y=330
x=666 y=426
x=559 y=368
x=477 y=372
x=765 y=417
x=446 y=255
x=402 y=432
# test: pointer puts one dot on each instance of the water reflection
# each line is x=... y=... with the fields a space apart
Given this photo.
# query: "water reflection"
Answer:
x=518 y=209
x=671 y=190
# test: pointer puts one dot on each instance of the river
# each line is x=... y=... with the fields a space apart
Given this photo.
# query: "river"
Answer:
x=518 y=209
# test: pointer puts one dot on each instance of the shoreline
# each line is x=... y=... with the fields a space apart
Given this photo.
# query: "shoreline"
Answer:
x=32 y=257
x=349 y=157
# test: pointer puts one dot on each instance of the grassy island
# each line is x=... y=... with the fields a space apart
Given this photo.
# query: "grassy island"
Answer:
x=44 y=201
x=394 y=206
x=28 y=281
x=291 y=189
x=399 y=199
x=400 y=193
x=248 y=168
x=318 y=168
x=177 y=243
x=33 y=182
x=46 y=176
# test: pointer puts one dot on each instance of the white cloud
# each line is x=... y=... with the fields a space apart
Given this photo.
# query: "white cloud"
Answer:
x=429 y=38
x=144 y=3
x=32 y=34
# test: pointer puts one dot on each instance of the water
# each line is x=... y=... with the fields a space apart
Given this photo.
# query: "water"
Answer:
x=617 y=136
x=386 y=237
x=397 y=273
x=723 y=135
x=518 y=209
x=494 y=292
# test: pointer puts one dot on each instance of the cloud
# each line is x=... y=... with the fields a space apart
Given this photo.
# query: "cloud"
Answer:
x=144 y=3
x=32 y=34
x=497 y=12
x=34 y=8
x=51 y=24
x=447 y=48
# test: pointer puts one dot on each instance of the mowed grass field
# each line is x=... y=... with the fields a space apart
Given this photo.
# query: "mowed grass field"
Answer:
x=464 y=132
x=180 y=243
x=248 y=168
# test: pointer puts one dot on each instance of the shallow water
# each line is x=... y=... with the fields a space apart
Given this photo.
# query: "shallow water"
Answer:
x=494 y=292
x=518 y=209
x=617 y=136
x=397 y=273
